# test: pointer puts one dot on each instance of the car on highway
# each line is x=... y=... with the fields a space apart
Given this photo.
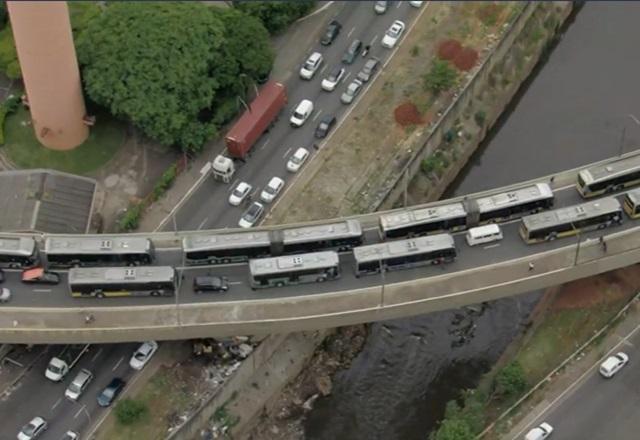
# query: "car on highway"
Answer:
x=351 y=92
x=1 y=276
x=333 y=29
x=5 y=295
x=380 y=7
x=393 y=34
x=296 y=161
x=352 y=52
x=111 y=391
x=38 y=275
x=540 y=432
x=78 y=384
x=210 y=284
x=324 y=126
x=369 y=69
x=33 y=429
x=240 y=192
x=251 y=215
x=330 y=82
x=416 y=4
x=311 y=65
x=271 y=191
x=70 y=435
x=301 y=113
x=143 y=354
x=613 y=364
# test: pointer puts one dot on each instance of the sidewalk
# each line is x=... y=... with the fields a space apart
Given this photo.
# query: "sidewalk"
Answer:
x=290 y=48
x=551 y=394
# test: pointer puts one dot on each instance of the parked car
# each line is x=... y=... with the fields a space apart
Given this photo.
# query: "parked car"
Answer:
x=301 y=113
x=297 y=160
x=311 y=66
x=38 y=275
x=352 y=52
x=251 y=215
x=5 y=295
x=210 y=284
x=333 y=29
x=351 y=92
x=78 y=385
x=416 y=4
x=540 y=432
x=1 y=276
x=33 y=429
x=369 y=69
x=111 y=391
x=141 y=356
x=380 y=7
x=613 y=364
x=271 y=191
x=330 y=82
x=70 y=435
x=324 y=126
x=241 y=191
x=393 y=34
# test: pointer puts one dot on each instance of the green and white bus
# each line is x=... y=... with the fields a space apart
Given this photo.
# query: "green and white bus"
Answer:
x=313 y=267
x=103 y=282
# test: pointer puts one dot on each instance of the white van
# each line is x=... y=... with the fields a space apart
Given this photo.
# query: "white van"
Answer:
x=484 y=234
x=539 y=432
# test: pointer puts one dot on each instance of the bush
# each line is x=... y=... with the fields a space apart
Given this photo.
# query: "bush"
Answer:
x=276 y=16
x=442 y=76
x=415 y=51
x=129 y=411
x=480 y=117
x=165 y=182
x=131 y=218
x=510 y=381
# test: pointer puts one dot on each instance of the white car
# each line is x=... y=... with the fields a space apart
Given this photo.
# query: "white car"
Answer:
x=301 y=113
x=416 y=4
x=70 y=435
x=540 y=432
x=613 y=364
x=240 y=193
x=380 y=7
x=5 y=295
x=271 y=191
x=297 y=160
x=330 y=82
x=142 y=355
x=78 y=385
x=33 y=429
x=393 y=34
x=311 y=66
x=251 y=215
x=351 y=92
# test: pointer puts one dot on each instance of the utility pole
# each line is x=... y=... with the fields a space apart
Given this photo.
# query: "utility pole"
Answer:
x=575 y=260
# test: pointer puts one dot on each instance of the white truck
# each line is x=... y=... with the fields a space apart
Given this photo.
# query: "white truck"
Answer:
x=223 y=168
x=64 y=361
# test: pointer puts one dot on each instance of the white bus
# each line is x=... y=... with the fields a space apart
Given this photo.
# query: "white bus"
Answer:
x=483 y=234
x=404 y=254
x=102 y=282
x=60 y=251
x=226 y=248
x=512 y=204
x=613 y=176
x=295 y=269
x=632 y=203
x=18 y=252
x=423 y=221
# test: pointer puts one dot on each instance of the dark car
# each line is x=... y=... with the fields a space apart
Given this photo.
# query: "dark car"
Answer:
x=210 y=284
x=369 y=69
x=40 y=276
x=111 y=391
x=325 y=126
x=1 y=276
x=353 y=51
x=333 y=29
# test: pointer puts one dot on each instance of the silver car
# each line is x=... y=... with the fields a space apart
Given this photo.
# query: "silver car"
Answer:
x=351 y=92
x=78 y=385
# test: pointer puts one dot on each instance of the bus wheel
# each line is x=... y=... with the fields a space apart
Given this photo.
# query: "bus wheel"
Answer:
x=225 y=261
x=435 y=262
x=321 y=280
x=279 y=284
x=100 y=295
x=552 y=237
x=155 y=293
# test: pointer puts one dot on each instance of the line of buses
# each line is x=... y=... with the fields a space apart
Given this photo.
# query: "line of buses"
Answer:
x=122 y=266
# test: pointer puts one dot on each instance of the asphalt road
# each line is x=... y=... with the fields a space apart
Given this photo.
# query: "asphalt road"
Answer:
x=208 y=206
x=599 y=408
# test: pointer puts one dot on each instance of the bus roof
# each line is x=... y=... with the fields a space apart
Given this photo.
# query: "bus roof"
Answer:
x=141 y=274
x=348 y=228
x=611 y=169
x=375 y=252
x=314 y=260
x=539 y=191
x=571 y=214
x=96 y=245
x=194 y=243
x=22 y=246
x=634 y=196
x=409 y=217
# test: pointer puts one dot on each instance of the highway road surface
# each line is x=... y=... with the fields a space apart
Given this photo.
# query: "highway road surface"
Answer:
x=597 y=408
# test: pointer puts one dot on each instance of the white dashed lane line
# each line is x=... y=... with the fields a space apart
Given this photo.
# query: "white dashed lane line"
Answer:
x=286 y=153
x=117 y=364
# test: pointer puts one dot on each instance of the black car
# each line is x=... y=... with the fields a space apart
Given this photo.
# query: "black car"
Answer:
x=325 y=126
x=333 y=29
x=353 y=51
x=111 y=391
x=38 y=275
x=1 y=276
x=210 y=284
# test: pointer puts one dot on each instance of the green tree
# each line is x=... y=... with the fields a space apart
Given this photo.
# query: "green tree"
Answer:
x=81 y=13
x=276 y=16
x=159 y=65
x=442 y=76
x=453 y=429
x=130 y=411
x=510 y=381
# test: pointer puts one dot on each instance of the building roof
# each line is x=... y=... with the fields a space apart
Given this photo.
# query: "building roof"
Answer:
x=45 y=201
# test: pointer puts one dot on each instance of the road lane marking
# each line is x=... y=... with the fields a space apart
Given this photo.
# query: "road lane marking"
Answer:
x=118 y=364
x=375 y=38
x=491 y=246
x=265 y=143
x=233 y=283
x=42 y=290
x=286 y=153
x=56 y=404
x=323 y=69
x=95 y=356
x=318 y=113
x=203 y=223
x=634 y=119
x=351 y=32
x=347 y=76
x=233 y=185
x=80 y=411
x=398 y=5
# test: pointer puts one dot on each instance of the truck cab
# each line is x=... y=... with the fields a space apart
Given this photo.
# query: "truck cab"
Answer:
x=223 y=168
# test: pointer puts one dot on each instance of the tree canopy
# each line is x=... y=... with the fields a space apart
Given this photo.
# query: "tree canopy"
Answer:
x=276 y=16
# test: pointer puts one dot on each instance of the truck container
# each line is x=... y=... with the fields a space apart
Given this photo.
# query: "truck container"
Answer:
x=262 y=112
x=64 y=361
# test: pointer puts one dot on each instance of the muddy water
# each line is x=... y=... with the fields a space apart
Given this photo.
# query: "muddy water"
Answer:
x=572 y=112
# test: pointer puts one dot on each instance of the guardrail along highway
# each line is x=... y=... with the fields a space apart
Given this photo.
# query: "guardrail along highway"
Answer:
x=49 y=314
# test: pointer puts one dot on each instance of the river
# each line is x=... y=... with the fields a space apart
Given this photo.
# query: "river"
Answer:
x=572 y=111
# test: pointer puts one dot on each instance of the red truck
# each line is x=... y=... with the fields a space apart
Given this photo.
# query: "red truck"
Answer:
x=262 y=112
